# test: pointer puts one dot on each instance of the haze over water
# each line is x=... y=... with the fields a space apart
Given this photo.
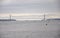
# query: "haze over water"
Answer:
x=33 y=24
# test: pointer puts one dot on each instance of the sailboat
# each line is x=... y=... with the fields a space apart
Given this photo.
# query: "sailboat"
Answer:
x=10 y=19
x=44 y=20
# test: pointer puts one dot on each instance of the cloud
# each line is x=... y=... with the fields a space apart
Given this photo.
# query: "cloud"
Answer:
x=5 y=2
x=28 y=6
x=34 y=1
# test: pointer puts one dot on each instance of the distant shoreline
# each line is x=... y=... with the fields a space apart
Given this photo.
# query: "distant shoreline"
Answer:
x=27 y=19
x=7 y=20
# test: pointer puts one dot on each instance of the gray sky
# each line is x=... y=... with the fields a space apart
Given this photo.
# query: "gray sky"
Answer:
x=29 y=6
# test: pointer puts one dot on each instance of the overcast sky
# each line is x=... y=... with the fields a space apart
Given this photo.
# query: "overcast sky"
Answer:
x=29 y=6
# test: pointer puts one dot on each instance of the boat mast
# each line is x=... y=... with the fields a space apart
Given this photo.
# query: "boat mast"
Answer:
x=10 y=16
x=44 y=17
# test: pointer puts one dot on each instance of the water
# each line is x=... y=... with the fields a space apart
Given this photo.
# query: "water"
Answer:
x=30 y=29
